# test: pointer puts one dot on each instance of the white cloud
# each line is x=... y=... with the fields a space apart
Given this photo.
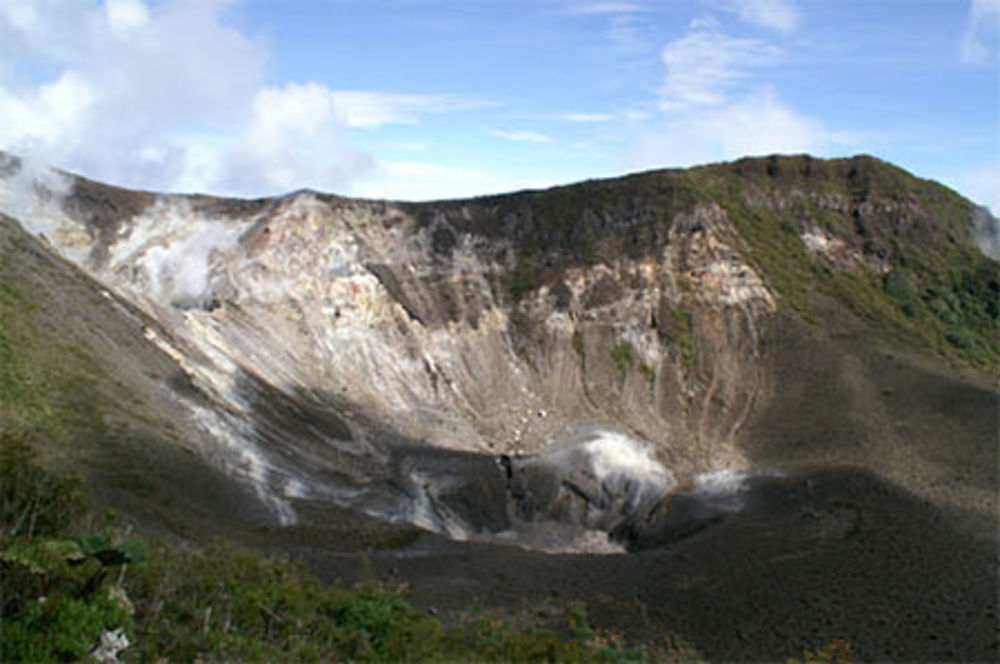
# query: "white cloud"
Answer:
x=49 y=111
x=295 y=139
x=169 y=95
x=604 y=8
x=981 y=40
x=981 y=185
x=705 y=66
x=586 y=117
x=521 y=136
x=758 y=124
x=423 y=180
x=780 y=15
x=364 y=109
x=716 y=102
x=402 y=146
x=623 y=21
x=716 y=105
x=130 y=83
x=624 y=32
x=635 y=116
x=125 y=16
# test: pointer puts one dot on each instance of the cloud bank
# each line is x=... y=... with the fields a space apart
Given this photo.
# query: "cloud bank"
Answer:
x=170 y=96
x=129 y=87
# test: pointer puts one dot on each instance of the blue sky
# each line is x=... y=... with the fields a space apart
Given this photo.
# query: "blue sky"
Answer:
x=436 y=98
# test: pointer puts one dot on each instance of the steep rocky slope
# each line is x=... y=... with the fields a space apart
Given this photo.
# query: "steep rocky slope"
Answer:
x=800 y=348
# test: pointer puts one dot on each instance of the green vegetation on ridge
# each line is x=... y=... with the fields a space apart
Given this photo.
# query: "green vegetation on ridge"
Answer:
x=921 y=279
x=936 y=289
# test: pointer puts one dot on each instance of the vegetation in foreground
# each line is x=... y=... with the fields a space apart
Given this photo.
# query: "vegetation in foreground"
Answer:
x=68 y=577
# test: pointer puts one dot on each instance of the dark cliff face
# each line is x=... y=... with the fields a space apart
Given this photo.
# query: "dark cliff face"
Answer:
x=665 y=307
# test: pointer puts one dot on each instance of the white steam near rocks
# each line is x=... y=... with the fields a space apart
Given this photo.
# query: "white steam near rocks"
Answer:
x=174 y=248
x=33 y=193
x=616 y=458
x=987 y=229
x=595 y=478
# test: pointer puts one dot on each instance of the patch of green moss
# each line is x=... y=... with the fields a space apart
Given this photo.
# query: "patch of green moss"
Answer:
x=525 y=276
x=649 y=374
x=32 y=501
x=20 y=398
x=577 y=342
x=623 y=355
x=678 y=328
x=45 y=385
x=401 y=538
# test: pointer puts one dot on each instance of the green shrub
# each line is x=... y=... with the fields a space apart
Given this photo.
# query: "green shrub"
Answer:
x=60 y=627
x=648 y=373
x=524 y=277
x=837 y=651
x=578 y=343
x=32 y=501
x=899 y=284
x=681 y=333
x=623 y=355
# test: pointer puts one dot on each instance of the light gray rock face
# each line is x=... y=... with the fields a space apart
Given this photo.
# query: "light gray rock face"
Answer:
x=112 y=643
